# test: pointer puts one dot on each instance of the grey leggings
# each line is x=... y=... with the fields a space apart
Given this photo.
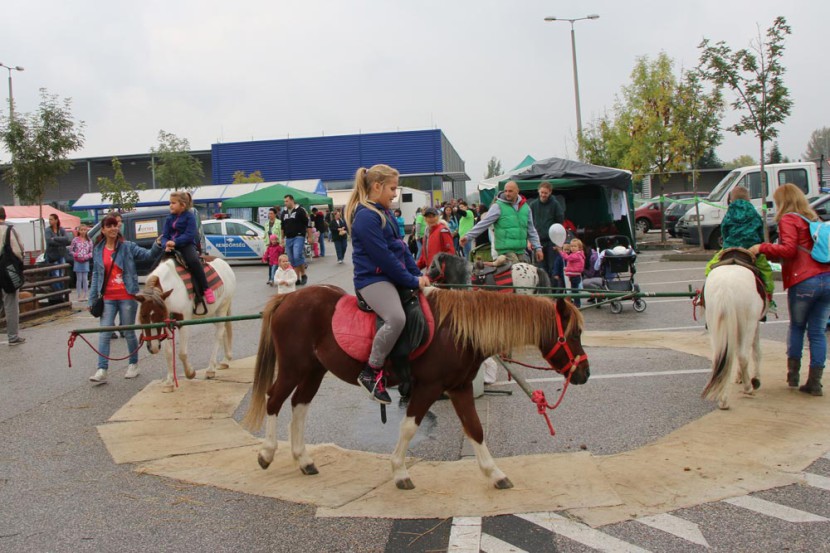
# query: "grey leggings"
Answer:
x=383 y=298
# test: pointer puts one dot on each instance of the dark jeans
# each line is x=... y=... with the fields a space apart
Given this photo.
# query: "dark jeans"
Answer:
x=575 y=281
x=340 y=248
x=553 y=264
x=194 y=265
x=809 y=304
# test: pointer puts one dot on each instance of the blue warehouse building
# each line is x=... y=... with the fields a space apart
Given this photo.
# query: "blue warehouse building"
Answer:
x=425 y=159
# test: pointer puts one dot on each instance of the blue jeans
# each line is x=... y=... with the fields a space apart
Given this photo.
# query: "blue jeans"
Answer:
x=340 y=248
x=272 y=270
x=126 y=310
x=58 y=273
x=809 y=305
x=294 y=247
x=322 y=243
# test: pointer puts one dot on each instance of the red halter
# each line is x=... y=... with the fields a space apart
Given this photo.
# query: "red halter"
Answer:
x=562 y=343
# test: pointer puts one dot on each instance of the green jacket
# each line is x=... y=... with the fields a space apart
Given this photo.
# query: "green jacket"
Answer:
x=511 y=228
x=272 y=229
x=466 y=223
x=546 y=214
x=742 y=226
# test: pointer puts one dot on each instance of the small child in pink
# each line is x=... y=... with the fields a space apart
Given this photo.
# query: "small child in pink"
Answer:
x=285 y=278
x=272 y=257
x=574 y=257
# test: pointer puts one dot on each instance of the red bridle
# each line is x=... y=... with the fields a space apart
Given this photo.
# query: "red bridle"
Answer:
x=562 y=343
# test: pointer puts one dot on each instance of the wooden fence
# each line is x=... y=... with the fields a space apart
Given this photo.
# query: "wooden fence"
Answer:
x=44 y=298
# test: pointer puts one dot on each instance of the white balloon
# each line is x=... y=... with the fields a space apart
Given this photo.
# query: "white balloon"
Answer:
x=557 y=234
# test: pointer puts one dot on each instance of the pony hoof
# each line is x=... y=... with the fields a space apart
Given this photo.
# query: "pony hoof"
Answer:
x=210 y=374
x=223 y=365
x=756 y=383
x=190 y=374
x=405 y=484
x=309 y=470
x=167 y=388
x=504 y=484
x=262 y=462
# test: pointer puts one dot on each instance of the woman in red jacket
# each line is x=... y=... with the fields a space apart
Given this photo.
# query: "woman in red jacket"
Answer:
x=438 y=238
x=807 y=283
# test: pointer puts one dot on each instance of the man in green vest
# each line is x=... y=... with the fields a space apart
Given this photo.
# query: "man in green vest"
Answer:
x=512 y=224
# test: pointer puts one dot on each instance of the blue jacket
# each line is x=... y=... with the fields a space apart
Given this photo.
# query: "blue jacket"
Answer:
x=380 y=253
x=125 y=258
x=180 y=228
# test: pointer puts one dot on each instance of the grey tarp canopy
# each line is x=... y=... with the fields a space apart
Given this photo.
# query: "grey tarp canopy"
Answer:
x=587 y=190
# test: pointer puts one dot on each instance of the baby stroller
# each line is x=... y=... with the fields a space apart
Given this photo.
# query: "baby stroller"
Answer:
x=617 y=269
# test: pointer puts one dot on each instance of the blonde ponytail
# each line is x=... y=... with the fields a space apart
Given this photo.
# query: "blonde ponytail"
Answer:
x=363 y=180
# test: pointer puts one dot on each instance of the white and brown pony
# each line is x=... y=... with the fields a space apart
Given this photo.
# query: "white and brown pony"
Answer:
x=468 y=329
x=447 y=268
x=166 y=297
x=733 y=308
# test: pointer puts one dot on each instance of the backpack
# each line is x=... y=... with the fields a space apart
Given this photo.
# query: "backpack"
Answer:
x=820 y=233
x=11 y=266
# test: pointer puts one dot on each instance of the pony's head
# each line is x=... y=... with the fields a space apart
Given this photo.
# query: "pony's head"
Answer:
x=153 y=309
x=447 y=268
x=492 y=324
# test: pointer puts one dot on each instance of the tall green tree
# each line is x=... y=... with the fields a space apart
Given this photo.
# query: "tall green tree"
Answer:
x=40 y=143
x=650 y=117
x=740 y=161
x=818 y=145
x=239 y=177
x=697 y=119
x=117 y=190
x=775 y=154
x=493 y=168
x=755 y=75
x=604 y=142
x=173 y=164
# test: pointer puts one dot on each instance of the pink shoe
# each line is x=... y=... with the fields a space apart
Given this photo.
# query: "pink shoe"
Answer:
x=209 y=297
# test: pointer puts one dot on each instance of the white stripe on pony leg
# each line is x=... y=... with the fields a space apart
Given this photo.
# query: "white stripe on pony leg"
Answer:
x=181 y=348
x=167 y=383
x=488 y=466
x=218 y=338
x=298 y=449
x=269 y=445
x=228 y=343
x=399 y=472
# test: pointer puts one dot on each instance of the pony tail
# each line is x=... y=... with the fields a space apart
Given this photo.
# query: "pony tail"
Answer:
x=263 y=368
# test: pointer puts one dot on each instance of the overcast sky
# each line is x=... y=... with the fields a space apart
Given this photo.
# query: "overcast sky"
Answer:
x=491 y=74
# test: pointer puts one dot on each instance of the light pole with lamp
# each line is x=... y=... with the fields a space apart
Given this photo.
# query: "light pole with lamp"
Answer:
x=11 y=107
x=576 y=77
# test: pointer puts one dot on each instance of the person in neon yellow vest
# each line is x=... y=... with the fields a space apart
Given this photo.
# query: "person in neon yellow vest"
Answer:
x=512 y=224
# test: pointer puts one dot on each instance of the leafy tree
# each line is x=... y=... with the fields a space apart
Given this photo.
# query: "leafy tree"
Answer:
x=818 y=145
x=604 y=142
x=650 y=117
x=755 y=75
x=697 y=119
x=239 y=177
x=39 y=144
x=493 y=168
x=740 y=161
x=173 y=165
x=775 y=154
x=710 y=160
x=118 y=191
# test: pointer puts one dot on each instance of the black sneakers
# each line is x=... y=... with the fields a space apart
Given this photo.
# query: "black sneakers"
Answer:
x=304 y=278
x=373 y=382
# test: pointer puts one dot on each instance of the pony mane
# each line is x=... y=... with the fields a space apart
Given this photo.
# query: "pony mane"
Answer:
x=495 y=323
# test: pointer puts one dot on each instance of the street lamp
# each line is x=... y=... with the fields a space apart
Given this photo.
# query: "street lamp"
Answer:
x=576 y=78
x=15 y=199
x=11 y=96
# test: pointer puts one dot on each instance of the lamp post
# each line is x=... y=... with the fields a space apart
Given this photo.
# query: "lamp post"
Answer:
x=576 y=77
x=11 y=108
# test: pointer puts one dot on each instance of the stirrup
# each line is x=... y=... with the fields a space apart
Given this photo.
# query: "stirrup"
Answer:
x=200 y=301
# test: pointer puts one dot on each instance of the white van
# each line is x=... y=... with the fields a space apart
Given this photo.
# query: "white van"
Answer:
x=802 y=174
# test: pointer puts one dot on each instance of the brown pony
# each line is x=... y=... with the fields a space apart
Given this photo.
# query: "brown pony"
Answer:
x=469 y=328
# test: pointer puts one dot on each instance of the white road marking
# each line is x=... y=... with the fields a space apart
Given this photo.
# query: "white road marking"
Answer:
x=818 y=481
x=605 y=376
x=491 y=544
x=774 y=510
x=676 y=526
x=465 y=535
x=581 y=533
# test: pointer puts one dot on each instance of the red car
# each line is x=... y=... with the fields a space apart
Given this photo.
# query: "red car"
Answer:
x=648 y=215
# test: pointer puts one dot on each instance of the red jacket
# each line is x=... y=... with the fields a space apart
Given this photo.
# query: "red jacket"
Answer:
x=793 y=249
x=438 y=239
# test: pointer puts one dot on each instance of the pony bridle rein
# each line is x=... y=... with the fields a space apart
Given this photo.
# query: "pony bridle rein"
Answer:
x=562 y=343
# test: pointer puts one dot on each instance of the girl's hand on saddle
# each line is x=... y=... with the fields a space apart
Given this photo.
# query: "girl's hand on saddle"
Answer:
x=170 y=245
x=423 y=282
x=755 y=250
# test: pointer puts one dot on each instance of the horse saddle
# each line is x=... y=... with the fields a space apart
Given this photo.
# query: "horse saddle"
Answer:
x=213 y=279
x=497 y=273
x=745 y=259
x=354 y=326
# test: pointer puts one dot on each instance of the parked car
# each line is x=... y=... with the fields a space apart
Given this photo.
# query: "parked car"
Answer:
x=234 y=239
x=141 y=227
x=673 y=214
x=821 y=206
x=648 y=216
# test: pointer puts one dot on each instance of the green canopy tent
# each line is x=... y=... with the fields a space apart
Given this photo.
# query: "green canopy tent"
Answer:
x=273 y=195
x=598 y=199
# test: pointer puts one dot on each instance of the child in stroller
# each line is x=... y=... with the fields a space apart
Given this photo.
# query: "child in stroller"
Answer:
x=616 y=266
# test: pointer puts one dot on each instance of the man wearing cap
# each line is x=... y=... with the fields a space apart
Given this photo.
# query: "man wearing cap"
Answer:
x=512 y=224
x=438 y=238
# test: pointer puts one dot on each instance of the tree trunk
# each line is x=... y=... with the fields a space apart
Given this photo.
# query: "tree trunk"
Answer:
x=662 y=211
x=697 y=210
x=764 y=189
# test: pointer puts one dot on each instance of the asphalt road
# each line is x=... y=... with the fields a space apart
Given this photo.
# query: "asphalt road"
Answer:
x=61 y=491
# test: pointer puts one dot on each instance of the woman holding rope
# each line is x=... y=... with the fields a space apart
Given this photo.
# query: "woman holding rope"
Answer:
x=114 y=278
